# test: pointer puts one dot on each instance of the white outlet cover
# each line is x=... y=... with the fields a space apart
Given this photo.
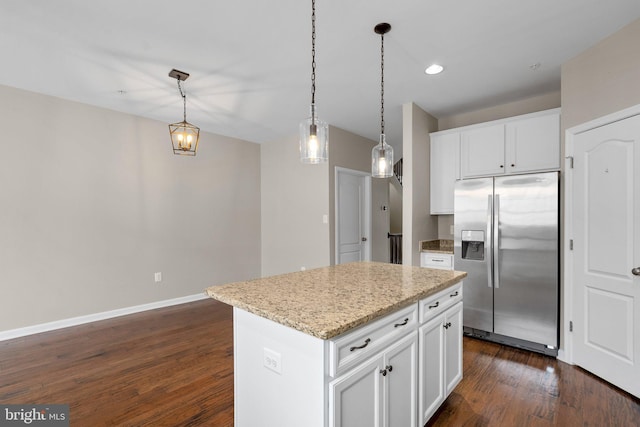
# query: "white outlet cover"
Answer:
x=272 y=360
x=157 y=277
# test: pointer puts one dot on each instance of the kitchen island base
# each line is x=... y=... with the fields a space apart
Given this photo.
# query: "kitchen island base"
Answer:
x=394 y=371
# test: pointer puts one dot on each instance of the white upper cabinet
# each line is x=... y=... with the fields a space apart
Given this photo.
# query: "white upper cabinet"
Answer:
x=528 y=143
x=533 y=144
x=445 y=170
x=482 y=151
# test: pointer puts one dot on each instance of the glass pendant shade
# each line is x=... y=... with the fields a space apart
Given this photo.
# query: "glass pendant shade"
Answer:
x=314 y=140
x=184 y=138
x=382 y=159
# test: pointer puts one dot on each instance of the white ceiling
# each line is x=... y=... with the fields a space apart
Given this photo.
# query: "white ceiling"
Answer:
x=250 y=60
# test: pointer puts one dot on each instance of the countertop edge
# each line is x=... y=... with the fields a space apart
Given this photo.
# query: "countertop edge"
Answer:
x=332 y=333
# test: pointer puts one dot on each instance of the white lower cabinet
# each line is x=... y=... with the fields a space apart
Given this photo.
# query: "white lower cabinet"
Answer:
x=440 y=355
x=392 y=372
x=380 y=392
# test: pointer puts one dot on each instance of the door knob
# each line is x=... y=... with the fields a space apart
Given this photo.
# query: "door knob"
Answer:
x=635 y=271
x=364 y=239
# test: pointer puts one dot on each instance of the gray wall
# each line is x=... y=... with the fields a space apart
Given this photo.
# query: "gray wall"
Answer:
x=93 y=203
x=417 y=222
x=295 y=196
x=603 y=79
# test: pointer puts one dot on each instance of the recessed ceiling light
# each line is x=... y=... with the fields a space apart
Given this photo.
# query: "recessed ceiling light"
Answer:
x=434 y=69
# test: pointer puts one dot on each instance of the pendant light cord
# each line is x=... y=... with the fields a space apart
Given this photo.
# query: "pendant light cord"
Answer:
x=184 y=100
x=313 y=60
x=382 y=83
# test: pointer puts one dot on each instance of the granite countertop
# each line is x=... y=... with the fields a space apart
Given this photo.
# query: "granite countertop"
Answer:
x=443 y=246
x=326 y=302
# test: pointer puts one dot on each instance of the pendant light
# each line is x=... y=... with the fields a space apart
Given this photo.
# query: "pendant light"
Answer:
x=184 y=135
x=314 y=133
x=382 y=154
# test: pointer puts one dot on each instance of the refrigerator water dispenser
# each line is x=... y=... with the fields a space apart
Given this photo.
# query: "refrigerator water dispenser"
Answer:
x=473 y=244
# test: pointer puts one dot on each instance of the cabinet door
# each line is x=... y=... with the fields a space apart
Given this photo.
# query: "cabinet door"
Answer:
x=401 y=364
x=533 y=144
x=431 y=370
x=355 y=399
x=482 y=151
x=453 y=348
x=445 y=169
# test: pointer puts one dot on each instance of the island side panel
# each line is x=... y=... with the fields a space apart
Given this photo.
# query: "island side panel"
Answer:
x=290 y=398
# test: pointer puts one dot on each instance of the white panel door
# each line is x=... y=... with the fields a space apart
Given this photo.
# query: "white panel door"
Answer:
x=606 y=219
x=401 y=388
x=355 y=399
x=352 y=216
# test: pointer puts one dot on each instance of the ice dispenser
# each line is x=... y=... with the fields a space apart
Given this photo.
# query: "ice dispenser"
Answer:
x=473 y=244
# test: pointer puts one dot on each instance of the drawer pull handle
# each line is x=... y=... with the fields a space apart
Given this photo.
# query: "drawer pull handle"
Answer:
x=402 y=324
x=437 y=260
x=366 y=343
x=435 y=305
x=455 y=294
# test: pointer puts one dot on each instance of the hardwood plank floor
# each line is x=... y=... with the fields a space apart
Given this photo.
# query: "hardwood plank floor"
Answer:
x=174 y=367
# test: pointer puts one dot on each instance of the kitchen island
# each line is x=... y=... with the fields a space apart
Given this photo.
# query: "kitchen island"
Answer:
x=359 y=344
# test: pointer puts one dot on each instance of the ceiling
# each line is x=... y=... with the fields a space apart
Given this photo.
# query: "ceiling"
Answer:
x=250 y=60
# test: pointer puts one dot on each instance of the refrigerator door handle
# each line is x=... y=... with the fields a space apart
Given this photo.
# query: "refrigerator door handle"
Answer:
x=496 y=242
x=489 y=249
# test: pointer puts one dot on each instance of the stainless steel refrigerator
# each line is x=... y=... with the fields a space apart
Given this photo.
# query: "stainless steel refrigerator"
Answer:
x=507 y=240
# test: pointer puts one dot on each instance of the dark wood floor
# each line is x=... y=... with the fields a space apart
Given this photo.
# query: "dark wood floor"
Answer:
x=174 y=367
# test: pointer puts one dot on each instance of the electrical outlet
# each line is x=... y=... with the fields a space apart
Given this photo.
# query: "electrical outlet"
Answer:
x=158 y=277
x=451 y=229
x=272 y=361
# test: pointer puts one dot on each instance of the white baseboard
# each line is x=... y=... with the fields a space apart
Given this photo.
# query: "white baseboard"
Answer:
x=65 y=323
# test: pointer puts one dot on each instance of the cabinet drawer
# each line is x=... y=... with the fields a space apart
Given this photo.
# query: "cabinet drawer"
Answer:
x=348 y=350
x=437 y=303
x=436 y=260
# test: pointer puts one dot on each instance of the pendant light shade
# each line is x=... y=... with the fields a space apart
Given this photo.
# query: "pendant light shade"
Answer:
x=382 y=159
x=184 y=135
x=314 y=133
x=382 y=154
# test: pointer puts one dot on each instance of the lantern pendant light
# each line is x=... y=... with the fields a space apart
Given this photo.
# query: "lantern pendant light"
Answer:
x=314 y=133
x=382 y=154
x=184 y=135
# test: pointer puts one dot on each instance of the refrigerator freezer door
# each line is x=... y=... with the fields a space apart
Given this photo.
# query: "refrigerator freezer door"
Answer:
x=472 y=228
x=526 y=257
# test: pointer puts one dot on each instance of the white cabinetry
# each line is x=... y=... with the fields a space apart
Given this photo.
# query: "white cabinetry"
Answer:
x=533 y=144
x=529 y=143
x=380 y=392
x=440 y=355
x=482 y=151
x=436 y=260
x=376 y=375
x=445 y=170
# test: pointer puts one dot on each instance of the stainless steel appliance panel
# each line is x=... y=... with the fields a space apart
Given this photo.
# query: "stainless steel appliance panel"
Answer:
x=526 y=270
x=473 y=210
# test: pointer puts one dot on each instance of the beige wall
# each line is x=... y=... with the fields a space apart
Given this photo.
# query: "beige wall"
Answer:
x=93 y=203
x=417 y=223
x=351 y=151
x=528 y=105
x=295 y=196
x=603 y=79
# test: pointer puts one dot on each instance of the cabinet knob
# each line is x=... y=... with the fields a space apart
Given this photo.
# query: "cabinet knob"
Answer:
x=383 y=372
x=501 y=166
x=447 y=325
x=389 y=368
x=513 y=165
